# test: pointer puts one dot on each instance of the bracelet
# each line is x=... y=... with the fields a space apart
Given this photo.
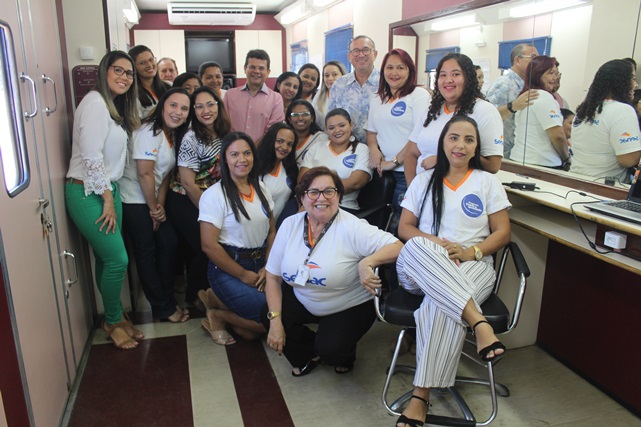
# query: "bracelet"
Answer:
x=510 y=109
x=395 y=161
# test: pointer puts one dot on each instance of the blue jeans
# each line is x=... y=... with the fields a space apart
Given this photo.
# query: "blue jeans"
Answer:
x=242 y=299
x=397 y=197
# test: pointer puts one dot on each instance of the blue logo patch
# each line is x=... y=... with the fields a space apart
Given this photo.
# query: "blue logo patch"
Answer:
x=264 y=211
x=399 y=109
x=472 y=205
x=350 y=160
x=289 y=182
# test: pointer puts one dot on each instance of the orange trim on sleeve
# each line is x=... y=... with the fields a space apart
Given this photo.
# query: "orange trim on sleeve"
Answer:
x=455 y=187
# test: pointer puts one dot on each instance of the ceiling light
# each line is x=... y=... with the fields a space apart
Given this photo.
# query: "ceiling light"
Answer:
x=294 y=12
x=541 y=7
x=458 y=22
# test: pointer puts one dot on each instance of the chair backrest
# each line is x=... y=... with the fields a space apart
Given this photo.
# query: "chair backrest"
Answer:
x=375 y=199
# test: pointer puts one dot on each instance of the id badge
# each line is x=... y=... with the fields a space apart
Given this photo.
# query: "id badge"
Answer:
x=302 y=275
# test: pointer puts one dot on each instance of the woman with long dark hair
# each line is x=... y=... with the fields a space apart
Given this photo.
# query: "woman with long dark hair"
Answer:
x=144 y=186
x=103 y=122
x=456 y=93
x=539 y=138
x=290 y=87
x=150 y=86
x=310 y=78
x=237 y=232
x=454 y=217
x=605 y=138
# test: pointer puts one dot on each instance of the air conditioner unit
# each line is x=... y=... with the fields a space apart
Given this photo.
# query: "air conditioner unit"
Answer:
x=211 y=13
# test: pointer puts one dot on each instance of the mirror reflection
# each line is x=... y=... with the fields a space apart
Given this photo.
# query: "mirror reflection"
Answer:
x=580 y=35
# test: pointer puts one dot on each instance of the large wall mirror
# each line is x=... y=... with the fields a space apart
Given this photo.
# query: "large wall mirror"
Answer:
x=582 y=35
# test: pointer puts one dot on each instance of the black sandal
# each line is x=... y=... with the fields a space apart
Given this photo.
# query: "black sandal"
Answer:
x=307 y=368
x=497 y=345
x=343 y=369
x=411 y=421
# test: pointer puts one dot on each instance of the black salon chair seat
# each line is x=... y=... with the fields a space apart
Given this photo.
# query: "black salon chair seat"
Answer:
x=398 y=308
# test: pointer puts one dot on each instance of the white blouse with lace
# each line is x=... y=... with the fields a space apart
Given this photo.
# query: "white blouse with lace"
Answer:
x=99 y=149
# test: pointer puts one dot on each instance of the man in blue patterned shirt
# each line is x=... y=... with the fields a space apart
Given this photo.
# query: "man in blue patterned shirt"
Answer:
x=504 y=92
x=353 y=91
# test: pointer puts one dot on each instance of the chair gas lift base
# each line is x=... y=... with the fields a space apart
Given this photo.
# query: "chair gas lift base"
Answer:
x=398 y=309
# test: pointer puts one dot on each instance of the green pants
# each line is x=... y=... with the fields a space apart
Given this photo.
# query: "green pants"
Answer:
x=109 y=249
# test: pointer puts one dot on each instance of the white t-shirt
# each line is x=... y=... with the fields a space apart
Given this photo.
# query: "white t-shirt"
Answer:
x=595 y=145
x=301 y=151
x=465 y=207
x=144 y=145
x=99 y=149
x=531 y=141
x=394 y=121
x=487 y=118
x=333 y=284
x=280 y=187
x=248 y=233
x=321 y=154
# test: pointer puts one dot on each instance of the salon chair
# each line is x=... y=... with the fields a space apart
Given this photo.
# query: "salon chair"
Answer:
x=397 y=308
x=375 y=200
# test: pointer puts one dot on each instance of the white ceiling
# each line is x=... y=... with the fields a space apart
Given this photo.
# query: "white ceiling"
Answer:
x=274 y=6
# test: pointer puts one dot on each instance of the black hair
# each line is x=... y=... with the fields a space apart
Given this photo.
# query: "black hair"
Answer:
x=566 y=113
x=156 y=117
x=344 y=114
x=311 y=66
x=230 y=189
x=442 y=167
x=267 y=154
x=613 y=80
x=296 y=102
x=284 y=76
x=209 y=64
x=258 y=54
x=183 y=77
x=159 y=87
x=471 y=90
x=222 y=124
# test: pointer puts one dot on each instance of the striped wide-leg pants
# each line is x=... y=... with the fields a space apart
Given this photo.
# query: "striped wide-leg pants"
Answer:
x=424 y=267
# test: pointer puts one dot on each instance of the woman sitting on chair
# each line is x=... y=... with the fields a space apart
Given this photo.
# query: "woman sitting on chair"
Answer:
x=453 y=218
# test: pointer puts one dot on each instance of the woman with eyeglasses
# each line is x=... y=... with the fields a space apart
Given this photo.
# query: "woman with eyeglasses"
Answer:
x=150 y=86
x=300 y=115
x=331 y=72
x=290 y=87
x=198 y=162
x=237 y=232
x=344 y=154
x=277 y=167
x=144 y=186
x=104 y=120
x=539 y=138
x=326 y=257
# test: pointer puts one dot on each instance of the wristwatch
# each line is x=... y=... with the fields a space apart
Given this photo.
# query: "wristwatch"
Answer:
x=395 y=161
x=273 y=314
x=478 y=254
x=509 y=107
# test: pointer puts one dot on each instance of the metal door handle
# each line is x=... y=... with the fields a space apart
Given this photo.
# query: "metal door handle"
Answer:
x=28 y=116
x=70 y=282
x=48 y=110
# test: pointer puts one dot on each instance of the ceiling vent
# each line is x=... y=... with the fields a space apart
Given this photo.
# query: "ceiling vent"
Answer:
x=211 y=13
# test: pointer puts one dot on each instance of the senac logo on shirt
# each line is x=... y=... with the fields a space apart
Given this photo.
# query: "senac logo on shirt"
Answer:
x=399 y=109
x=472 y=205
x=626 y=137
x=350 y=160
x=499 y=141
x=318 y=281
x=554 y=115
x=289 y=182
x=153 y=153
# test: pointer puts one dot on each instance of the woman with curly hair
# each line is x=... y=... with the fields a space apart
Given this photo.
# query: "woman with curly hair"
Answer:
x=539 y=138
x=456 y=93
x=605 y=139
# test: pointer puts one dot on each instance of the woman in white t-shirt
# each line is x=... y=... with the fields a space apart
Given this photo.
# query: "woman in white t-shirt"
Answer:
x=326 y=257
x=344 y=154
x=300 y=115
x=198 y=165
x=393 y=113
x=144 y=187
x=454 y=217
x=237 y=232
x=456 y=93
x=103 y=122
x=277 y=167
x=605 y=138
x=539 y=138
x=331 y=72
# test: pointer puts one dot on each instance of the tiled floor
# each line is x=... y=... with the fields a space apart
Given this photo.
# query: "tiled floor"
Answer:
x=249 y=385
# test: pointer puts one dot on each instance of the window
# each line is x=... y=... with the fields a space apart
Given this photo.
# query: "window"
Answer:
x=299 y=55
x=337 y=44
x=432 y=59
x=542 y=44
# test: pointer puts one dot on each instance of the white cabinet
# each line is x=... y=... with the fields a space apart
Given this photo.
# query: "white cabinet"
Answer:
x=164 y=43
x=270 y=41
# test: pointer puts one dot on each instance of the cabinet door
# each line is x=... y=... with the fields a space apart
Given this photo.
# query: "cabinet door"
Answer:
x=268 y=40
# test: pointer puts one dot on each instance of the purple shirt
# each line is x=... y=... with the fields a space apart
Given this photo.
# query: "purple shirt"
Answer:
x=254 y=114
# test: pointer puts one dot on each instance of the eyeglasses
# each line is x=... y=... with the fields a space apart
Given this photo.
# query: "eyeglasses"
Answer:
x=365 y=51
x=146 y=61
x=210 y=104
x=303 y=114
x=534 y=55
x=329 y=192
x=119 y=71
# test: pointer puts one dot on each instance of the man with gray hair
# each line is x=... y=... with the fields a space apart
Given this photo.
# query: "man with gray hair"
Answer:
x=504 y=92
x=353 y=91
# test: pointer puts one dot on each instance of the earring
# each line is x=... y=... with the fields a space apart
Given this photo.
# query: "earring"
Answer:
x=352 y=138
